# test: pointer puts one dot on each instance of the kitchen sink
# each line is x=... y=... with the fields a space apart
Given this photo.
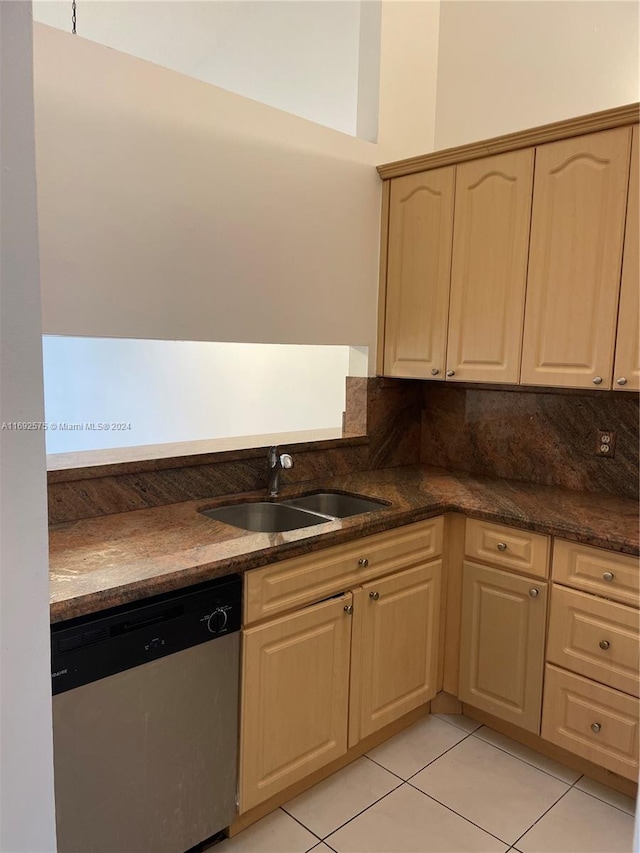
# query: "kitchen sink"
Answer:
x=305 y=511
x=263 y=517
x=335 y=504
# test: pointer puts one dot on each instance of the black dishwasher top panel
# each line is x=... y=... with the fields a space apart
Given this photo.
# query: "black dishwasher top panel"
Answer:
x=96 y=646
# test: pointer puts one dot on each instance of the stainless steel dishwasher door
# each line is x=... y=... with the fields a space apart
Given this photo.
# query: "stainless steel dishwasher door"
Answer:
x=146 y=760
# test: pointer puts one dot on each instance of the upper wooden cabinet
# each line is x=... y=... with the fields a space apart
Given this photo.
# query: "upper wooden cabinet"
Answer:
x=418 y=272
x=489 y=267
x=626 y=375
x=516 y=270
x=575 y=256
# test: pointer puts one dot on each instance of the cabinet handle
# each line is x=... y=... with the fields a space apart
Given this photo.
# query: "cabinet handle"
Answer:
x=348 y=609
x=374 y=596
x=607 y=576
x=595 y=727
x=533 y=592
x=451 y=373
x=502 y=546
x=435 y=372
x=621 y=381
x=604 y=645
x=597 y=380
x=363 y=562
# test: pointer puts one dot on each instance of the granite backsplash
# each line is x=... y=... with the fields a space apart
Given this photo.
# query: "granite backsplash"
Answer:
x=539 y=436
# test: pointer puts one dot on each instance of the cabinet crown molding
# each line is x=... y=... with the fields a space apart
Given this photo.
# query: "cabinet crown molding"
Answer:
x=590 y=123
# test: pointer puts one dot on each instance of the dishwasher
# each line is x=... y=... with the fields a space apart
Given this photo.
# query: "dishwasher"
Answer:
x=145 y=722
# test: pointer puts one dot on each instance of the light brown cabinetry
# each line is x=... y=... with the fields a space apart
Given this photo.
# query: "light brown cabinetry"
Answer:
x=318 y=676
x=418 y=272
x=295 y=697
x=489 y=267
x=502 y=644
x=591 y=705
x=575 y=257
x=538 y=250
x=398 y=662
x=626 y=374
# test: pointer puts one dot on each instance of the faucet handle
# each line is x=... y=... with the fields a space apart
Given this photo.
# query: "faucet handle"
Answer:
x=286 y=461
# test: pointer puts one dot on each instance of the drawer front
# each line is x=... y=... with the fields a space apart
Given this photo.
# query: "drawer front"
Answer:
x=293 y=583
x=615 y=576
x=507 y=548
x=590 y=720
x=596 y=638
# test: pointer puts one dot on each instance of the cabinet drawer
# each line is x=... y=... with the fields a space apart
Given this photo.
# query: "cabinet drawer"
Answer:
x=590 y=720
x=507 y=548
x=583 y=567
x=595 y=638
x=292 y=583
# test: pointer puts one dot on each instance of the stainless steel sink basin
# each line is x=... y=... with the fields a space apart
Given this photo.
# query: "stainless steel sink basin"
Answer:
x=335 y=504
x=305 y=511
x=264 y=517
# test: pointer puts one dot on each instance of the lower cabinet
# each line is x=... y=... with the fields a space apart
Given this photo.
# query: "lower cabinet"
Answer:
x=295 y=697
x=502 y=644
x=318 y=680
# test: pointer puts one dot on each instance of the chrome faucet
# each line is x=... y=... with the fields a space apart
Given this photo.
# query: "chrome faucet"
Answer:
x=275 y=464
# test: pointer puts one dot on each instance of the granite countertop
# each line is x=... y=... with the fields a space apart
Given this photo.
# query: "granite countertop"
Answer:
x=96 y=563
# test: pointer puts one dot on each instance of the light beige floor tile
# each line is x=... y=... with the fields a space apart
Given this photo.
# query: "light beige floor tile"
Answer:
x=417 y=746
x=275 y=833
x=580 y=824
x=460 y=721
x=409 y=822
x=321 y=848
x=560 y=771
x=604 y=792
x=496 y=791
x=337 y=799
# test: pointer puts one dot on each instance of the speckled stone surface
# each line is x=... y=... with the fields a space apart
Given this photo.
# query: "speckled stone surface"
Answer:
x=536 y=435
x=101 y=562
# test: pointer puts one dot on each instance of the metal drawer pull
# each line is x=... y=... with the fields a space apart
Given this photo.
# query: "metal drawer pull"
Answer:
x=348 y=608
x=363 y=562
x=533 y=592
x=451 y=373
x=434 y=371
x=604 y=644
x=597 y=380
x=607 y=576
x=502 y=546
x=595 y=727
x=622 y=380
x=374 y=596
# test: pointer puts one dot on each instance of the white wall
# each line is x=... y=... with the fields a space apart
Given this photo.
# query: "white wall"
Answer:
x=26 y=763
x=185 y=391
x=507 y=66
x=171 y=209
x=302 y=57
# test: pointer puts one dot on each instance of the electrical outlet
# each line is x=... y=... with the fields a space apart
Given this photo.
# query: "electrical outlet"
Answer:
x=606 y=443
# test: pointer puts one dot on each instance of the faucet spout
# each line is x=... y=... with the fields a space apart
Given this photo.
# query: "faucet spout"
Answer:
x=275 y=464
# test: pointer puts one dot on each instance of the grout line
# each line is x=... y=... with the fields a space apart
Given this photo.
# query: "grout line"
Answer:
x=453 y=811
x=433 y=760
x=606 y=802
x=361 y=812
x=377 y=763
x=459 y=728
x=524 y=760
x=552 y=806
x=293 y=817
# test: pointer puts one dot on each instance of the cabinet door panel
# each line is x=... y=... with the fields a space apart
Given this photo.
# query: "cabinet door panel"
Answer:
x=502 y=644
x=294 y=698
x=577 y=228
x=419 y=266
x=489 y=269
x=399 y=659
x=628 y=338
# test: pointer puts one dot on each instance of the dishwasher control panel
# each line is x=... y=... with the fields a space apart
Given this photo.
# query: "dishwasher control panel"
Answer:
x=102 y=644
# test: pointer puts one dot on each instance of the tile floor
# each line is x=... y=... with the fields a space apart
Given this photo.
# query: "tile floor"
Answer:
x=447 y=785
